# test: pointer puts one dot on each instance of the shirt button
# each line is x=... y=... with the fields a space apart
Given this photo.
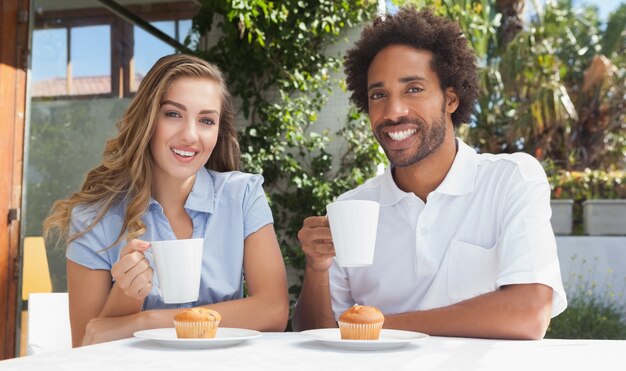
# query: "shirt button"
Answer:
x=424 y=231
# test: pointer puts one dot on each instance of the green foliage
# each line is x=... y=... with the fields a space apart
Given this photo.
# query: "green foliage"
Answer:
x=274 y=56
x=555 y=90
x=588 y=184
x=564 y=105
x=587 y=317
x=613 y=43
x=584 y=185
x=66 y=139
x=593 y=312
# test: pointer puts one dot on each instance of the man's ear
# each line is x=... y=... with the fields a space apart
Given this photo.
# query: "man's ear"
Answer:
x=452 y=100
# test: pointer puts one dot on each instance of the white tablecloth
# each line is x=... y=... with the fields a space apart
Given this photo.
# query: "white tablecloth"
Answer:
x=293 y=351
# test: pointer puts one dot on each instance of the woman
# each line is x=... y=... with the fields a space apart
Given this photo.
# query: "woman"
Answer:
x=171 y=173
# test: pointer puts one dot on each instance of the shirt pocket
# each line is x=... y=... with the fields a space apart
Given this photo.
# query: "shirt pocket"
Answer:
x=472 y=270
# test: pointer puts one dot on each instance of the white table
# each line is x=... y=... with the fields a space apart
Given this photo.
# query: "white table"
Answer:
x=294 y=351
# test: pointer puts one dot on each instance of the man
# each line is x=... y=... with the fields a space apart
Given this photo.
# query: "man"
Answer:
x=464 y=243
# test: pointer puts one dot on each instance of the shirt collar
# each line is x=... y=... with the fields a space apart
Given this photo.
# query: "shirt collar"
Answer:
x=202 y=195
x=458 y=181
x=390 y=194
x=460 y=178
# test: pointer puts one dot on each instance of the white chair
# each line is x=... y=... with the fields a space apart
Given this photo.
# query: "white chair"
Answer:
x=48 y=322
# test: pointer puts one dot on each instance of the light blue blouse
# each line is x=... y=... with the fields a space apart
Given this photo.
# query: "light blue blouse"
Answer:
x=225 y=208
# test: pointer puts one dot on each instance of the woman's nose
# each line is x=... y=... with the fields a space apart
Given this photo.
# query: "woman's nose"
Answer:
x=189 y=132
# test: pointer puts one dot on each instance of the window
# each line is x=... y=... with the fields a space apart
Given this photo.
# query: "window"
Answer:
x=85 y=50
x=71 y=61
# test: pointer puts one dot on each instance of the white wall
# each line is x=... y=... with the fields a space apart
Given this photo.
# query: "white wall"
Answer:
x=333 y=116
x=596 y=262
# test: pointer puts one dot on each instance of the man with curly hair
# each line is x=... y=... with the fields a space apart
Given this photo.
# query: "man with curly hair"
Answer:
x=464 y=244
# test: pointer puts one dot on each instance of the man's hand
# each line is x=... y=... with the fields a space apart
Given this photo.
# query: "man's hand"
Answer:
x=317 y=243
x=314 y=309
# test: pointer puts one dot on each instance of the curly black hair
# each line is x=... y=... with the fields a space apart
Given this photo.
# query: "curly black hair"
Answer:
x=453 y=60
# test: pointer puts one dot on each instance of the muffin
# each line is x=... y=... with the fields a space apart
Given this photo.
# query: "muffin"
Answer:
x=361 y=322
x=197 y=323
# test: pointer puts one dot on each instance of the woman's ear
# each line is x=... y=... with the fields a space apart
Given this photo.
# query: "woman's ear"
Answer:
x=452 y=100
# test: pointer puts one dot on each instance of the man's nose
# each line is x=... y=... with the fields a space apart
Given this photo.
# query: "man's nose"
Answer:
x=395 y=108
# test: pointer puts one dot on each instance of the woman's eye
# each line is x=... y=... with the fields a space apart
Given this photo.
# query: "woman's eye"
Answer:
x=172 y=114
x=207 y=121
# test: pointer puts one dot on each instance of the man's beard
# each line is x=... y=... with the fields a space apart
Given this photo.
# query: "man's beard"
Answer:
x=430 y=139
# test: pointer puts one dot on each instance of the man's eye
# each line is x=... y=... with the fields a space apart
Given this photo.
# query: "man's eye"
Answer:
x=377 y=95
x=414 y=89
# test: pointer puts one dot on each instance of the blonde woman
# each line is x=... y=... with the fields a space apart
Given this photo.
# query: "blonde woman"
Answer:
x=171 y=173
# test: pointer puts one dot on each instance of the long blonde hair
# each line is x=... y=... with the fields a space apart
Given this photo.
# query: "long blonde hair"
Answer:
x=125 y=173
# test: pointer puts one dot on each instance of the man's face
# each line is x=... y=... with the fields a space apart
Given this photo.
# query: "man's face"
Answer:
x=407 y=108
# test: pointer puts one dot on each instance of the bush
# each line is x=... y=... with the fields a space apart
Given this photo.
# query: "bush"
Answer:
x=274 y=55
x=588 y=318
x=593 y=312
x=588 y=184
x=585 y=185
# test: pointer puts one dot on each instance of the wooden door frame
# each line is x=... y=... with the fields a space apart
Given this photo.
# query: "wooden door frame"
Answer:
x=14 y=52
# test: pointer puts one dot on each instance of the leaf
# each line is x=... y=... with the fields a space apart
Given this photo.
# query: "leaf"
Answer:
x=614 y=31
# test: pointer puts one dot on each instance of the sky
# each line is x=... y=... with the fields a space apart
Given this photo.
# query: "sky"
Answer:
x=604 y=6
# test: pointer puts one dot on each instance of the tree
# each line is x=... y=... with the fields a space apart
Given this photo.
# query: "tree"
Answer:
x=554 y=88
x=273 y=54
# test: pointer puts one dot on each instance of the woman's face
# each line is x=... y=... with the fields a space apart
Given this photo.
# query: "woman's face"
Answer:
x=187 y=127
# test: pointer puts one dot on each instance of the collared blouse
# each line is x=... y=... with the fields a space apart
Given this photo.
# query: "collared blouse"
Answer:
x=225 y=208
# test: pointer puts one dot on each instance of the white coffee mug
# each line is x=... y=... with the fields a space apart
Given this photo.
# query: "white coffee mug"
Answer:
x=353 y=225
x=178 y=264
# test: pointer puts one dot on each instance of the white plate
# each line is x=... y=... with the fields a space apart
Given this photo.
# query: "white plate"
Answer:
x=225 y=337
x=389 y=339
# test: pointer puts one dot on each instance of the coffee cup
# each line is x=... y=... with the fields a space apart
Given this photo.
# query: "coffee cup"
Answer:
x=178 y=264
x=353 y=225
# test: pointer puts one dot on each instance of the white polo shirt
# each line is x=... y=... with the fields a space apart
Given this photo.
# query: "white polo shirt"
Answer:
x=485 y=226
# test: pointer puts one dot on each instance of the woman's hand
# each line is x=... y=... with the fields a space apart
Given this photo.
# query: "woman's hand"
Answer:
x=100 y=330
x=132 y=272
